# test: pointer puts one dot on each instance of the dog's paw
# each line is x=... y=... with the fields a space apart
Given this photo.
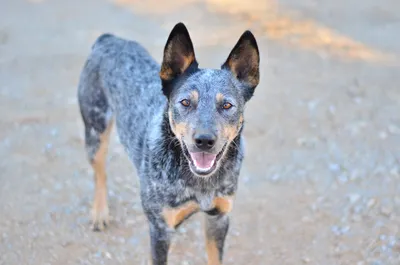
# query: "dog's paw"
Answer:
x=100 y=217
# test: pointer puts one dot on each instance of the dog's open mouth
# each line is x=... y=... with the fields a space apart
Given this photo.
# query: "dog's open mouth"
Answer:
x=203 y=163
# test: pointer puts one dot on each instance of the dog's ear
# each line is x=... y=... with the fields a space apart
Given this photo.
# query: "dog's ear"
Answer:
x=178 y=56
x=244 y=61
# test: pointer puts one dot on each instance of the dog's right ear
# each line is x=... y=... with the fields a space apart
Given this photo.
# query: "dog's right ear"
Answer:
x=178 y=56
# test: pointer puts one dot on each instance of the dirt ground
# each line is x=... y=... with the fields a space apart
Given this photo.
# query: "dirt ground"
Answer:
x=321 y=180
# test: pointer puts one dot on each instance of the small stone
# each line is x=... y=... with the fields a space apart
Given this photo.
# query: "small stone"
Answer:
x=72 y=101
x=371 y=203
x=345 y=230
x=342 y=179
x=44 y=191
x=386 y=210
x=394 y=172
x=312 y=104
x=133 y=241
x=393 y=129
x=336 y=230
x=356 y=218
x=108 y=255
x=340 y=230
x=275 y=177
x=383 y=135
x=308 y=192
x=306 y=219
x=54 y=132
x=354 y=175
x=314 y=207
x=392 y=241
x=353 y=198
x=246 y=179
x=332 y=109
x=306 y=260
x=301 y=141
x=357 y=100
x=334 y=167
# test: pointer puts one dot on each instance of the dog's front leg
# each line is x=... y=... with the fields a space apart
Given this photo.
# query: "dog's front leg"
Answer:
x=216 y=229
x=160 y=237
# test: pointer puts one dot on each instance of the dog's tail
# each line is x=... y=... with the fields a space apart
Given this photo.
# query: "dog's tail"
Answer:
x=103 y=38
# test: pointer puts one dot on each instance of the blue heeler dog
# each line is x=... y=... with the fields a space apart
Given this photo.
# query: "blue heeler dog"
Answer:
x=180 y=125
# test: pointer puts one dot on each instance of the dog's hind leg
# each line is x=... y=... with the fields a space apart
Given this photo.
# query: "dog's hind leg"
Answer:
x=98 y=120
x=100 y=212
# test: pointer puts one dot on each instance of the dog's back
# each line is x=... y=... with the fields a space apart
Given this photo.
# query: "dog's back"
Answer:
x=119 y=77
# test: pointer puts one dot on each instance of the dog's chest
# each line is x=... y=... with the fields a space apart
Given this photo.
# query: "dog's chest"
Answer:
x=205 y=201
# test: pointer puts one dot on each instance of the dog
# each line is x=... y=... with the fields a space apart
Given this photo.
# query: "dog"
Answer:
x=180 y=125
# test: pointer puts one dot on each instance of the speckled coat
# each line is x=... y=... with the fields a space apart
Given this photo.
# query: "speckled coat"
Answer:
x=121 y=82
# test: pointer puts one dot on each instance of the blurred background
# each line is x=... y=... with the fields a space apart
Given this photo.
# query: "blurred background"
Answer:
x=321 y=179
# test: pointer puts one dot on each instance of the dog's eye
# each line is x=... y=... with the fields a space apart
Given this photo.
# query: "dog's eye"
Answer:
x=227 y=105
x=185 y=102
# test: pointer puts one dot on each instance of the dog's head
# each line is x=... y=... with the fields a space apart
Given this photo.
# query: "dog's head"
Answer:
x=206 y=105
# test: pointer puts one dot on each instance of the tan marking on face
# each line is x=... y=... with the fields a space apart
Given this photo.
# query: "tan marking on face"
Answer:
x=223 y=204
x=174 y=216
x=230 y=132
x=219 y=97
x=212 y=252
x=241 y=119
x=171 y=121
x=194 y=96
x=100 y=206
x=181 y=128
x=178 y=129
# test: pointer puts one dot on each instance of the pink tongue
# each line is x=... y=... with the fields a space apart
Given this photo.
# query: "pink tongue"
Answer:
x=203 y=160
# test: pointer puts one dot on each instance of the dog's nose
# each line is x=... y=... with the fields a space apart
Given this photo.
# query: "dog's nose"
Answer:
x=205 y=141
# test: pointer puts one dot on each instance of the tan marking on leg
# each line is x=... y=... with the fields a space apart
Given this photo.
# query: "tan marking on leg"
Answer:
x=100 y=208
x=174 y=216
x=223 y=204
x=219 y=97
x=212 y=252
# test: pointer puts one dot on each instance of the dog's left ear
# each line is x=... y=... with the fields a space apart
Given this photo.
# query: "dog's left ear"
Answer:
x=178 y=56
x=244 y=61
